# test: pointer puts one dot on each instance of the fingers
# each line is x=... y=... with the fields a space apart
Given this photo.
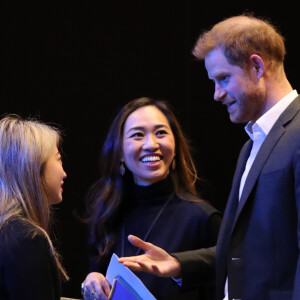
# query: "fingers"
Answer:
x=102 y=289
x=148 y=267
x=156 y=269
x=134 y=240
x=132 y=265
x=129 y=259
x=94 y=294
x=106 y=287
x=95 y=287
x=139 y=265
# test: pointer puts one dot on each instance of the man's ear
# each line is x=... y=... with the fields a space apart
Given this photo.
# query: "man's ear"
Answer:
x=257 y=65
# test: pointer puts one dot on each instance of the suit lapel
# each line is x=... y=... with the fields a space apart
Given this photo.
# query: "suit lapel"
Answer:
x=232 y=204
x=268 y=145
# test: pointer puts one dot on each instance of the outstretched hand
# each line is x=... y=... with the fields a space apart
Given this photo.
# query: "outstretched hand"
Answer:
x=155 y=260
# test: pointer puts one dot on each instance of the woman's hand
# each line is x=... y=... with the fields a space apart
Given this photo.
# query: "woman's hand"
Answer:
x=155 y=260
x=95 y=287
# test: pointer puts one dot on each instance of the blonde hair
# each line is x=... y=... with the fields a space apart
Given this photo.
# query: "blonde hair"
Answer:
x=25 y=146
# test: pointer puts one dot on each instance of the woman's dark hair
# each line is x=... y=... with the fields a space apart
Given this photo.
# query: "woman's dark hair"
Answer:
x=105 y=198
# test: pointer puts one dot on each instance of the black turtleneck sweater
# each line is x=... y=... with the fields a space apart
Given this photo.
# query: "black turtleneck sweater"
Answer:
x=157 y=215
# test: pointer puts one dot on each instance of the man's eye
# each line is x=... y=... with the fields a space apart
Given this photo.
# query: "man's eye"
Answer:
x=223 y=80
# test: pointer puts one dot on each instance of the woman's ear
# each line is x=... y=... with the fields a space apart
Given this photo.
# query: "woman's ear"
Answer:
x=173 y=164
x=257 y=65
x=122 y=168
x=122 y=164
x=122 y=156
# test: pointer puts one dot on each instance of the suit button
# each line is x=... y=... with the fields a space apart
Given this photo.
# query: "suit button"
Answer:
x=235 y=258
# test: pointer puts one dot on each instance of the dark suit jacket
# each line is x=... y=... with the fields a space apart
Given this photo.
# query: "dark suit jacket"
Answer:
x=258 y=245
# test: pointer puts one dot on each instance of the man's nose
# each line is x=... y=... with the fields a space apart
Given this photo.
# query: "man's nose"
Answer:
x=219 y=93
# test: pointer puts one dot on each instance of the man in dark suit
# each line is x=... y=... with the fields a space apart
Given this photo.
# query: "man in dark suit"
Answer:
x=257 y=254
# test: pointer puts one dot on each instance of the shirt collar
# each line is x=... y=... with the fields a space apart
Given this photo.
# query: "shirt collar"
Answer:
x=268 y=119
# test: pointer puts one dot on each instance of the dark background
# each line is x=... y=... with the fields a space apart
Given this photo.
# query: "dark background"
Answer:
x=75 y=64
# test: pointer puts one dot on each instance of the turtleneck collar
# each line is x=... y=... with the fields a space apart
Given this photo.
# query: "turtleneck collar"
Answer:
x=156 y=192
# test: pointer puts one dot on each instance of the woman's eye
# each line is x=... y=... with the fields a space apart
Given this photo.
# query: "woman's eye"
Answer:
x=137 y=134
x=161 y=132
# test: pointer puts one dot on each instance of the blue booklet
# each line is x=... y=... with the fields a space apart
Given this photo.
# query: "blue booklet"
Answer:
x=125 y=284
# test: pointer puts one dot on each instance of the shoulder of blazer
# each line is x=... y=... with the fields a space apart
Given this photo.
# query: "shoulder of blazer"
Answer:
x=290 y=112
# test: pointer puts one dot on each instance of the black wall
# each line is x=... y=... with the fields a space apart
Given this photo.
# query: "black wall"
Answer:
x=75 y=64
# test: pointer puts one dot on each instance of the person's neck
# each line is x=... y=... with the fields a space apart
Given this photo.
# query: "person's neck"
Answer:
x=276 y=90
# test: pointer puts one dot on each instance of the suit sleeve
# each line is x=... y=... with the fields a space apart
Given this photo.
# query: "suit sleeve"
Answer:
x=30 y=272
x=198 y=266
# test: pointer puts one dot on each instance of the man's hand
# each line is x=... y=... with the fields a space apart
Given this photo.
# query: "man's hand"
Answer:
x=155 y=260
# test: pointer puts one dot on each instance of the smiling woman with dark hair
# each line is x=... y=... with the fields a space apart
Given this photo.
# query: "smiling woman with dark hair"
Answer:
x=147 y=188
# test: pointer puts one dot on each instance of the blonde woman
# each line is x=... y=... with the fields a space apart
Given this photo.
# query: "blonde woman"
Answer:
x=31 y=180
